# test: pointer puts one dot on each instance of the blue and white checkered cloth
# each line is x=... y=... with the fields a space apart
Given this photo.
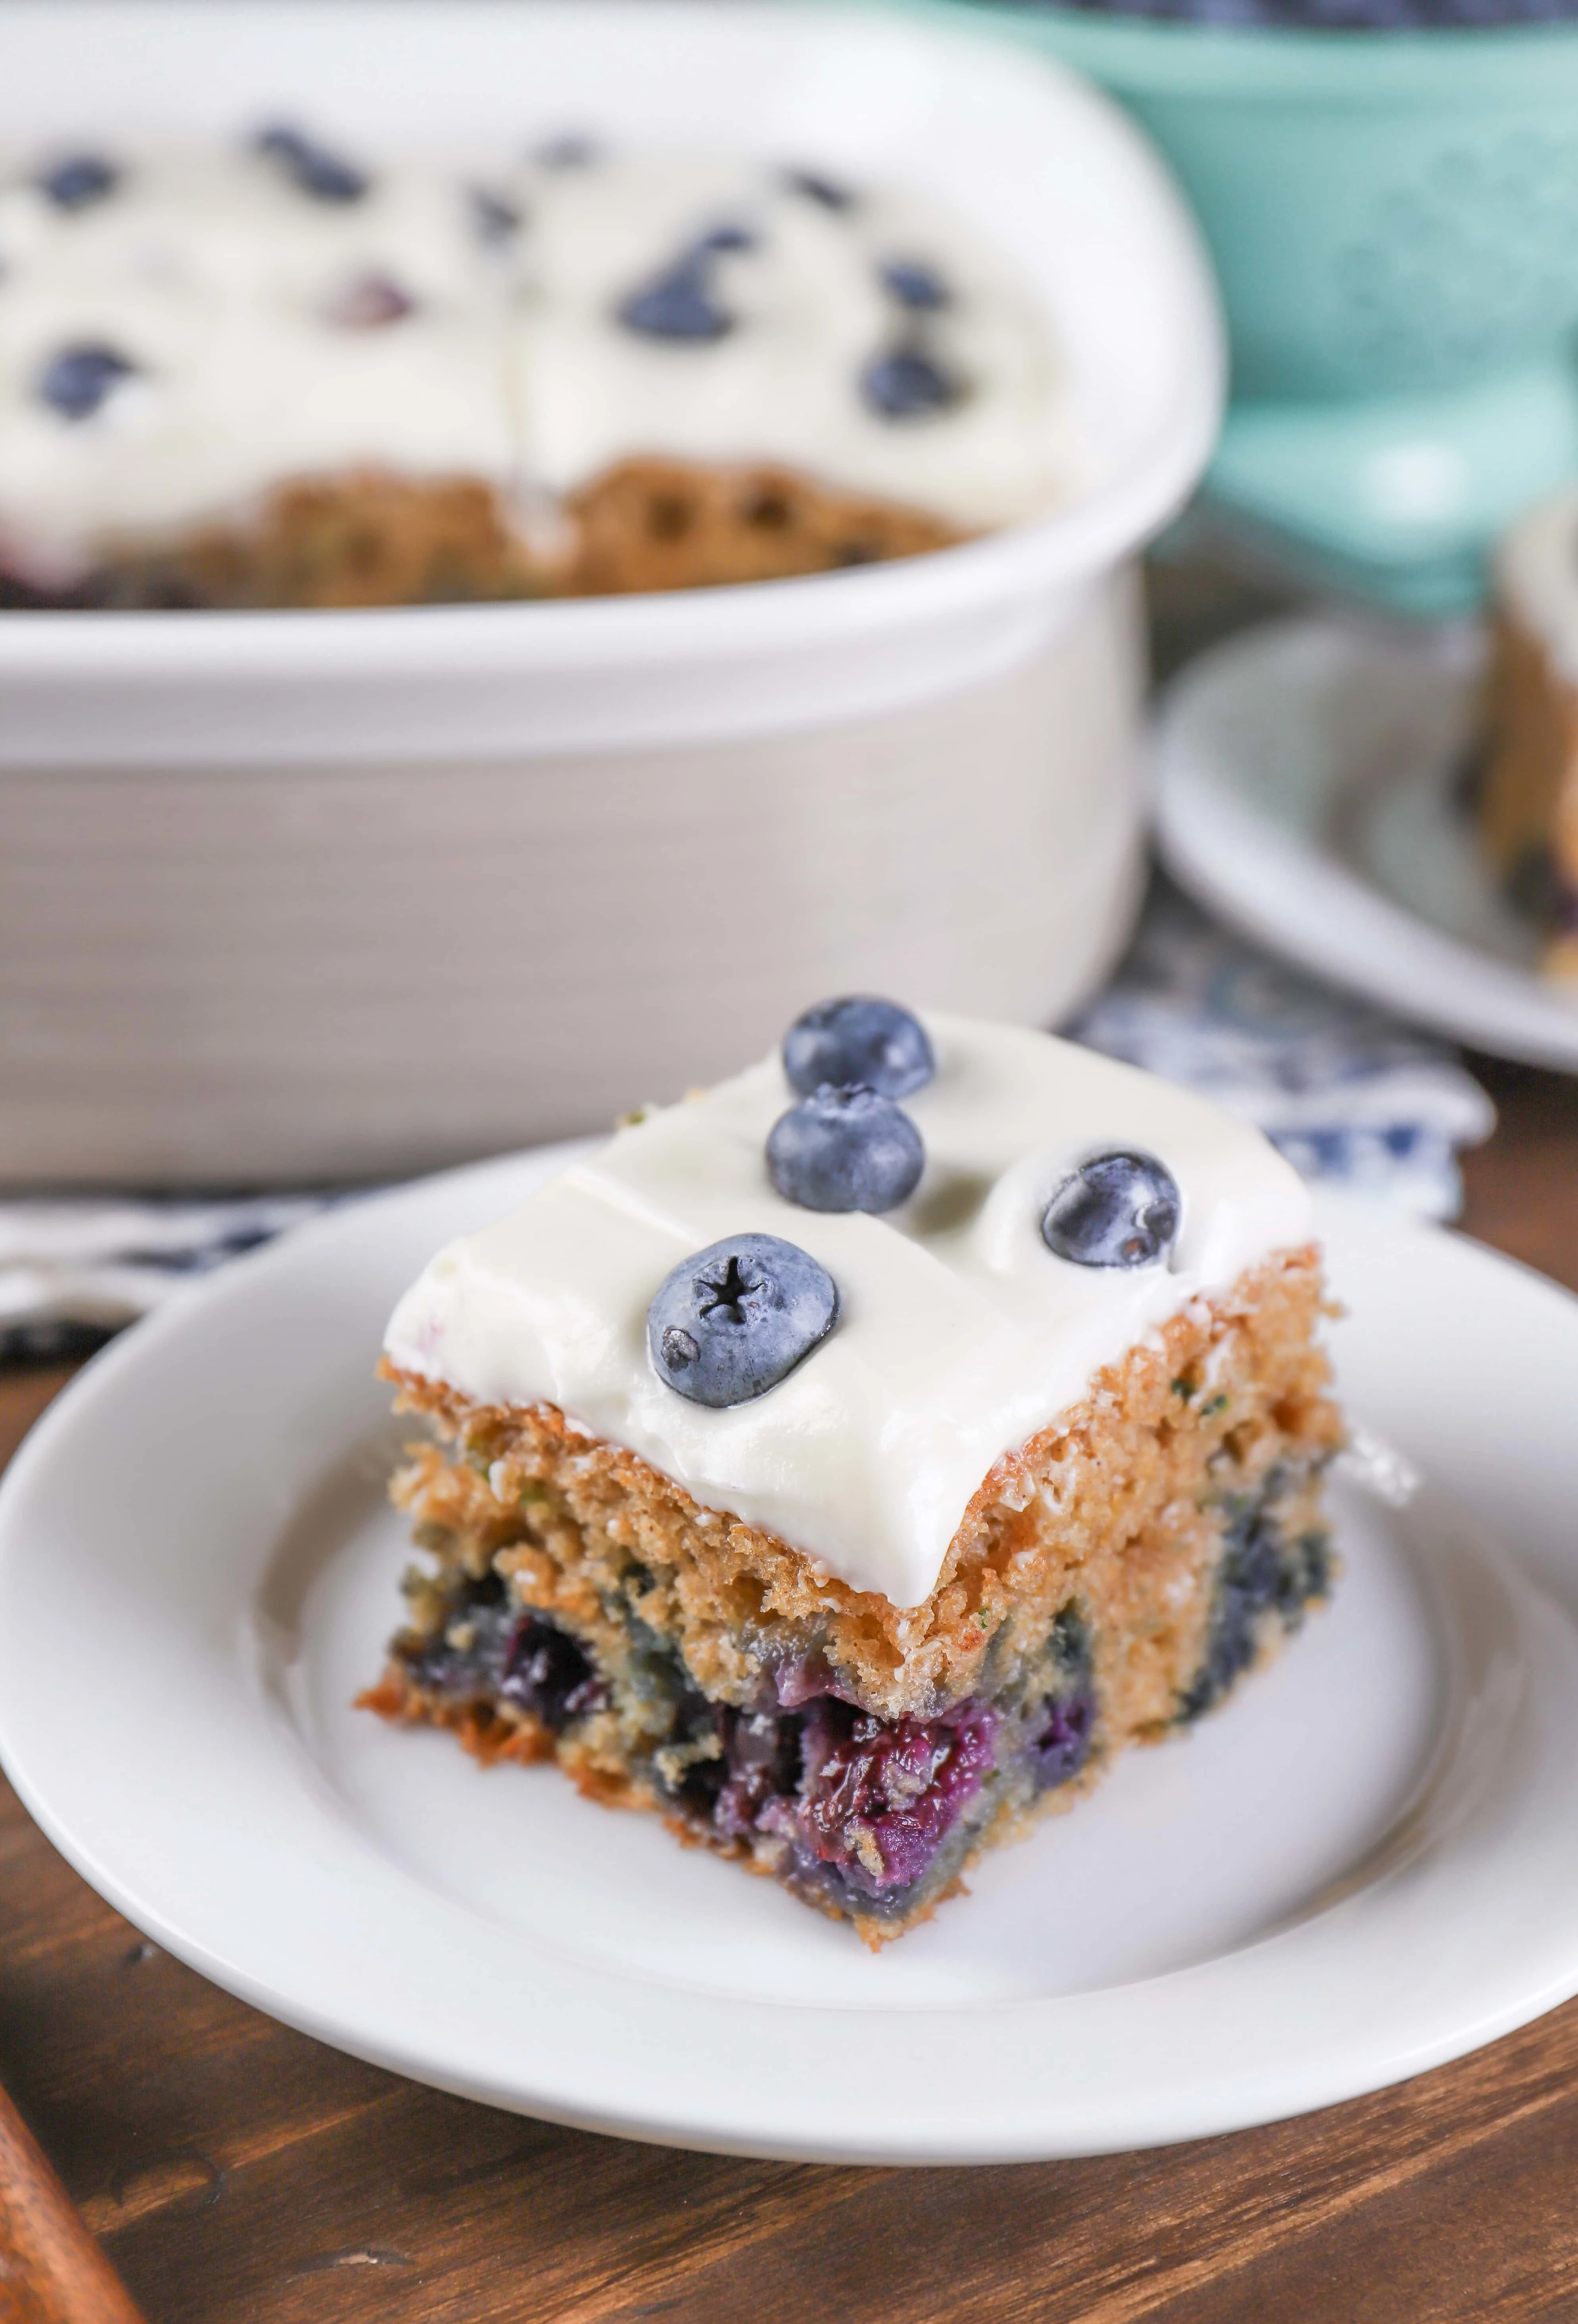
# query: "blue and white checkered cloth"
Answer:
x=1352 y=1098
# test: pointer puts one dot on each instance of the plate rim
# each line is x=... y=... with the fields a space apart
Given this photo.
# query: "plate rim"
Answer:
x=1269 y=884
x=1203 y=2111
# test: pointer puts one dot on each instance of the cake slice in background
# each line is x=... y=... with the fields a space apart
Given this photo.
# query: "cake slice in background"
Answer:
x=848 y=1461
x=1527 y=803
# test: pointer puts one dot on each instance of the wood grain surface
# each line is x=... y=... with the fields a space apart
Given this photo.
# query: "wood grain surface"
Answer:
x=238 y=2174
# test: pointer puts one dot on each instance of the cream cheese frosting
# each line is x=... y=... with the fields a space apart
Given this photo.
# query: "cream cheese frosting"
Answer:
x=808 y=310
x=223 y=287
x=959 y=1334
x=238 y=303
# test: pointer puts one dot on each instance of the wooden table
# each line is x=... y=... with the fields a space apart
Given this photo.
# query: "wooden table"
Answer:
x=241 y=2175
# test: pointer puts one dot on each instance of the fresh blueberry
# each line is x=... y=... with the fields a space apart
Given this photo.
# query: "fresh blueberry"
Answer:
x=496 y=219
x=1117 y=1210
x=678 y=305
x=858 y=1039
x=79 y=180
x=846 y=1150
x=77 y=379
x=915 y=284
x=731 y=1320
x=369 y=302
x=905 y=384
x=312 y=168
x=817 y=188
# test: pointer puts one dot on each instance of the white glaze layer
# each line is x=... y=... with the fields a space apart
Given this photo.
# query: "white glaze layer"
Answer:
x=1537 y=572
x=959 y=1336
x=221 y=281
x=809 y=313
x=214 y=274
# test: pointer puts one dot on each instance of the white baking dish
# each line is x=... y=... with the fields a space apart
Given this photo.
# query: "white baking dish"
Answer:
x=305 y=895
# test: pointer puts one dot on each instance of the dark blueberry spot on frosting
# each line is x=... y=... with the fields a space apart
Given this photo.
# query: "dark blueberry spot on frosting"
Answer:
x=915 y=284
x=728 y=235
x=678 y=305
x=571 y=151
x=861 y=1039
x=496 y=218
x=752 y=1308
x=77 y=381
x=846 y=1150
x=77 y=180
x=369 y=302
x=323 y=176
x=817 y=187
x=906 y=383
x=1116 y=1210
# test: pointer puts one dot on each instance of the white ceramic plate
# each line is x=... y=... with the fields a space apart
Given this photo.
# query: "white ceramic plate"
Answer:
x=1367 y=1863
x=1307 y=779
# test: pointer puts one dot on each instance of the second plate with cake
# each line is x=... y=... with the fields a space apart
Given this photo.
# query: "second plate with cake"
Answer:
x=1314 y=783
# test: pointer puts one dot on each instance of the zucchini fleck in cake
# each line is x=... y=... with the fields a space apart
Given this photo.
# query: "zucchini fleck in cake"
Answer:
x=274 y=372
x=847 y=1461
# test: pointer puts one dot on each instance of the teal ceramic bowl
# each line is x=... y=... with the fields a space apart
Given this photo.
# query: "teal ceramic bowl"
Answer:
x=1393 y=219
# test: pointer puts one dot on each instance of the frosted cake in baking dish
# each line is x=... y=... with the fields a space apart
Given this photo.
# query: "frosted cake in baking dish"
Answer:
x=847 y=1461
x=279 y=373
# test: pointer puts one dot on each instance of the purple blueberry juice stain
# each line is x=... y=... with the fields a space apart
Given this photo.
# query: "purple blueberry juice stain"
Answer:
x=865 y=1811
x=1060 y=1746
x=546 y=1673
x=487 y=1650
x=878 y=1796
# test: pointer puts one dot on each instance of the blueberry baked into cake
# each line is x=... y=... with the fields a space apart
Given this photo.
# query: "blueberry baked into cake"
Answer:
x=1527 y=797
x=847 y=1461
x=280 y=372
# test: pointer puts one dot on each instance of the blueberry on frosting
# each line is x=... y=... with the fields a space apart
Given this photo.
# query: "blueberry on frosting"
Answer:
x=915 y=284
x=731 y=1320
x=77 y=381
x=493 y=219
x=858 y=1039
x=906 y=383
x=846 y=1150
x=572 y=150
x=324 y=176
x=1116 y=1210
x=817 y=187
x=678 y=305
x=77 y=180
x=728 y=234
x=369 y=301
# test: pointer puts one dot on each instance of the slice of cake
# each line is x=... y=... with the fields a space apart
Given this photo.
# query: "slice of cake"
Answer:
x=1527 y=800
x=847 y=1461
